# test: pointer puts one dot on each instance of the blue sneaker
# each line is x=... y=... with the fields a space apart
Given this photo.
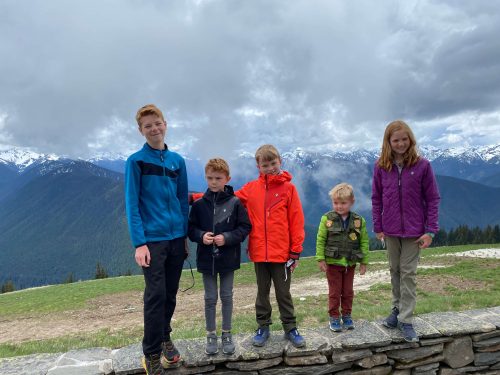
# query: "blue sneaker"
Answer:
x=392 y=320
x=335 y=325
x=409 y=333
x=295 y=338
x=261 y=336
x=347 y=322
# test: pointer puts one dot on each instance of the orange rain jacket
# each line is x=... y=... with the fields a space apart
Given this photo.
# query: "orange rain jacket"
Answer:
x=275 y=212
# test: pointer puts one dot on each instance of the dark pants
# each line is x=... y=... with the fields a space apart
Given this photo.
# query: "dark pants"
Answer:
x=340 y=289
x=276 y=272
x=162 y=282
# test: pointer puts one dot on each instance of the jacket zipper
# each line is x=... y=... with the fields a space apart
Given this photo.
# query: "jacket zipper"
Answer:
x=168 y=200
x=213 y=231
x=266 y=213
x=400 y=172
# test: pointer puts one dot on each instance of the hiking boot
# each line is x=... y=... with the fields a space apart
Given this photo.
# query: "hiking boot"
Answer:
x=261 y=336
x=347 y=322
x=211 y=348
x=295 y=338
x=170 y=356
x=409 y=333
x=392 y=320
x=227 y=343
x=152 y=364
x=335 y=325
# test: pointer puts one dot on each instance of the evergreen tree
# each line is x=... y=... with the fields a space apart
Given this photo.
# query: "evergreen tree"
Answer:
x=7 y=287
x=70 y=279
x=100 y=272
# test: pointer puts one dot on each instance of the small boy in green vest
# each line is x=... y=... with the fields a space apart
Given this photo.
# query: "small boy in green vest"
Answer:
x=342 y=242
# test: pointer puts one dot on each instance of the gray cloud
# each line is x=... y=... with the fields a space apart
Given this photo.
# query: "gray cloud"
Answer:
x=231 y=75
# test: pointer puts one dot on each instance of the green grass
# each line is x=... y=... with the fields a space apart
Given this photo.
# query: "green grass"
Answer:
x=311 y=311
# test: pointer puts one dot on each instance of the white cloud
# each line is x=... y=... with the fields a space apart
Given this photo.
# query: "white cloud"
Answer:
x=232 y=75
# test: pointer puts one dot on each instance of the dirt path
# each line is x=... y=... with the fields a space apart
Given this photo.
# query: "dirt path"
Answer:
x=124 y=310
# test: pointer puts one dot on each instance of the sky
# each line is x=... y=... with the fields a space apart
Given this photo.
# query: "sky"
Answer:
x=232 y=75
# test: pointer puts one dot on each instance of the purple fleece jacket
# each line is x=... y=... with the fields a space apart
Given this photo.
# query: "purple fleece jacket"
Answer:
x=405 y=205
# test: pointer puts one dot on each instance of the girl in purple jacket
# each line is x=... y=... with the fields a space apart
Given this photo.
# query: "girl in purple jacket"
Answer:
x=405 y=203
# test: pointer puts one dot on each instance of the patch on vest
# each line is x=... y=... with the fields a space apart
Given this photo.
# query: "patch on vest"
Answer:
x=329 y=223
x=357 y=224
x=353 y=236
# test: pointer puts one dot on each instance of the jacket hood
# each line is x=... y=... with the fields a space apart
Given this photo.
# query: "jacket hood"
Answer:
x=219 y=196
x=275 y=179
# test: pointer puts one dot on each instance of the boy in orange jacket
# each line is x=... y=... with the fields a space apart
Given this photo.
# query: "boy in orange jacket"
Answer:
x=275 y=242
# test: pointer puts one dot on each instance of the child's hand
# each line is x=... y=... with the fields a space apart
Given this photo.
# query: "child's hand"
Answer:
x=208 y=238
x=142 y=256
x=322 y=265
x=424 y=241
x=294 y=265
x=219 y=240
x=362 y=269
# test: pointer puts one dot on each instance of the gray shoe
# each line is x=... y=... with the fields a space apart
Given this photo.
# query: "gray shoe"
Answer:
x=211 y=347
x=227 y=343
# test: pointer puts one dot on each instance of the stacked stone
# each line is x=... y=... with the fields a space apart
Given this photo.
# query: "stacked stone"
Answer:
x=450 y=343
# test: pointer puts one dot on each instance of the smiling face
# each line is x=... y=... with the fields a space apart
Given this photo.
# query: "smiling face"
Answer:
x=216 y=180
x=270 y=167
x=153 y=128
x=342 y=206
x=400 y=143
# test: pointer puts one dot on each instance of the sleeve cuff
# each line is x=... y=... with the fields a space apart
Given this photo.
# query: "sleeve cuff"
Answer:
x=294 y=255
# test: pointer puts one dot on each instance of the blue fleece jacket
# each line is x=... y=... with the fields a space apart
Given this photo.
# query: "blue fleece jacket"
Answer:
x=156 y=195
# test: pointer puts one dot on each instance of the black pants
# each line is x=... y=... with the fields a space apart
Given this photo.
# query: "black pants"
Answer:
x=280 y=277
x=162 y=282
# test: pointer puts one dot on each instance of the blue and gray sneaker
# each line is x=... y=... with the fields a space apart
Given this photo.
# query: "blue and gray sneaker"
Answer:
x=335 y=325
x=295 y=338
x=347 y=322
x=261 y=336
x=409 y=333
x=392 y=320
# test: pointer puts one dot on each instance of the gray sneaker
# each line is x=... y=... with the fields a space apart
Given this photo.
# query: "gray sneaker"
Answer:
x=211 y=347
x=227 y=343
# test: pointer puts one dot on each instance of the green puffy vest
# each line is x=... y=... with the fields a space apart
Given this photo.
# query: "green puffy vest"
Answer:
x=343 y=243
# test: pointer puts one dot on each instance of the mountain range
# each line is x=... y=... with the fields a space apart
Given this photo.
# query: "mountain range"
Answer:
x=60 y=216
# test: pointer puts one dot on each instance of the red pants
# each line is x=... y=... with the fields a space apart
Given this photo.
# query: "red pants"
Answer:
x=340 y=289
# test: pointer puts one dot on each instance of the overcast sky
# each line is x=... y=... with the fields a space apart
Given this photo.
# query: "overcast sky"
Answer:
x=231 y=75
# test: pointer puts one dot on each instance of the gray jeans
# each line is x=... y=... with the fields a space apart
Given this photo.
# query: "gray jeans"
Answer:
x=403 y=255
x=226 y=297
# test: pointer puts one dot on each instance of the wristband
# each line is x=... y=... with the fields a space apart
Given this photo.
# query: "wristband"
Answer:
x=431 y=234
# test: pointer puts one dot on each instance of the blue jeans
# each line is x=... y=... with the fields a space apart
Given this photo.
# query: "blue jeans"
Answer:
x=226 y=297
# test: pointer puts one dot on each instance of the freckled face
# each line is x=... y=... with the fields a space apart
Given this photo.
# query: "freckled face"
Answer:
x=153 y=128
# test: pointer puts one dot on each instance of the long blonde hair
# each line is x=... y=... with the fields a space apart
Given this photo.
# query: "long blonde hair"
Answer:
x=386 y=157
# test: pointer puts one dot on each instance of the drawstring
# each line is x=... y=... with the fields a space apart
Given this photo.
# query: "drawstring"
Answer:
x=286 y=274
x=192 y=277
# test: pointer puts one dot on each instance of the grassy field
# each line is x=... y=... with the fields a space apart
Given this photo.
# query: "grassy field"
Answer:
x=453 y=287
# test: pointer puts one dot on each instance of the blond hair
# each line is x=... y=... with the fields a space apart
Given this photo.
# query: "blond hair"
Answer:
x=148 y=109
x=266 y=153
x=342 y=191
x=410 y=157
x=217 y=165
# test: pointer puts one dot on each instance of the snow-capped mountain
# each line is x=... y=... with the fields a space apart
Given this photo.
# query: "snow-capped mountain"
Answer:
x=21 y=158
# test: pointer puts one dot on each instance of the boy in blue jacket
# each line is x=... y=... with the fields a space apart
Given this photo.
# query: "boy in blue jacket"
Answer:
x=156 y=197
x=219 y=224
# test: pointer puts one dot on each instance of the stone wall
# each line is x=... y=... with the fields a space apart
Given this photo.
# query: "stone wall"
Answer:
x=450 y=343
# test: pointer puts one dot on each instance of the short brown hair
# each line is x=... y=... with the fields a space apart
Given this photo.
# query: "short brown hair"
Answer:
x=342 y=191
x=217 y=165
x=148 y=109
x=266 y=153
